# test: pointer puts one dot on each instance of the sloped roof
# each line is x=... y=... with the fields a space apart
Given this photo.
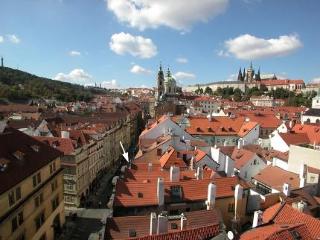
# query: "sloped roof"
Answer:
x=285 y=214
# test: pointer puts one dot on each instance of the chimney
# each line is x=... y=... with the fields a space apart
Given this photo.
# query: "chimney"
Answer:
x=257 y=219
x=290 y=124
x=211 y=196
x=160 y=191
x=239 y=143
x=150 y=167
x=199 y=173
x=183 y=223
x=274 y=162
x=174 y=174
x=238 y=193
x=162 y=224
x=302 y=175
x=153 y=223
x=301 y=206
x=159 y=152
x=65 y=134
x=192 y=163
x=286 y=189
x=229 y=166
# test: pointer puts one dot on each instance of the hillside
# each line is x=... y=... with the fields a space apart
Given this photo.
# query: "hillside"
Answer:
x=19 y=85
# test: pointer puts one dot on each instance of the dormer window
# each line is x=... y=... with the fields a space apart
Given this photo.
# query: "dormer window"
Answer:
x=18 y=155
x=35 y=148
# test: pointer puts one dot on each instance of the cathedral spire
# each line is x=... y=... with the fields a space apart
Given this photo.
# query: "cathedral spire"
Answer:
x=251 y=65
x=240 y=78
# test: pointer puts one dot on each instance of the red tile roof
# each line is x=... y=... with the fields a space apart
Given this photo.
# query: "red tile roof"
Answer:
x=313 y=132
x=33 y=158
x=281 y=82
x=275 y=177
x=169 y=158
x=200 y=225
x=65 y=145
x=193 y=190
x=241 y=157
x=295 y=138
x=285 y=214
x=277 y=232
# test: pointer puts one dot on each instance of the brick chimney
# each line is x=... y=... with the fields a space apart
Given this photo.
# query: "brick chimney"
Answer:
x=160 y=191
x=238 y=193
x=211 y=199
x=174 y=174
x=199 y=173
x=229 y=166
x=162 y=224
x=153 y=223
x=302 y=175
x=257 y=219
x=286 y=189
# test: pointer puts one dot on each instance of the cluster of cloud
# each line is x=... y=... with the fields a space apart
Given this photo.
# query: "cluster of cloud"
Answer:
x=77 y=76
x=11 y=38
x=137 y=46
x=74 y=53
x=184 y=76
x=81 y=77
x=182 y=60
x=248 y=47
x=177 y=14
x=316 y=80
x=136 y=69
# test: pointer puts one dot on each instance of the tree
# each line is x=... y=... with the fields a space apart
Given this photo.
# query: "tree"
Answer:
x=237 y=95
x=208 y=91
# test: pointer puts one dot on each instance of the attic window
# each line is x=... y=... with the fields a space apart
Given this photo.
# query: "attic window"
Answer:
x=35 y=148
x=210 y=129
x=18 y=155
x=174 y=226
x=296 y=235
x=140 y=195
x=132 y=233
x=198 y=129
x=176 y=193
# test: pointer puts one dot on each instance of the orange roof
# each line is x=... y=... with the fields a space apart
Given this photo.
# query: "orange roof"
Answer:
x=218 y=126
x=285 y=214
x=313 y=132
x=200 y=225
x=199 y=154
x=170 y=158
x=246 y=127
x=295 y=138
x=241 y=157
x=275 y=177
x=153 y=125
x=277 y=232
x=193 y=191
x=65 y=145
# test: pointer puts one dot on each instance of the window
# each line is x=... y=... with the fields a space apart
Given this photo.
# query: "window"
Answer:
x=14 y=195
x=39 y=220
x=54 y=185
x=255 y=162
x=52 y=167
x=231 y=207
x=36 y=179
x=38 y=200
x=55 y=203
x=17 y=221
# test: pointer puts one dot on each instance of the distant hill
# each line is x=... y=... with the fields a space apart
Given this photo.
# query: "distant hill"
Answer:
x=17 y=85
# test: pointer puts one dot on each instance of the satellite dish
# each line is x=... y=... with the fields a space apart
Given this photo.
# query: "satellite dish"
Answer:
x=230 y=235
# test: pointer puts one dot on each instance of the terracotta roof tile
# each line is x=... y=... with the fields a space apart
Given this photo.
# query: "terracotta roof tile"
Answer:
x=275 y=177
x=285 y=214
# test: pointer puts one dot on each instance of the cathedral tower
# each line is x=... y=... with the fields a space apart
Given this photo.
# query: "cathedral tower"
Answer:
x=160 y=82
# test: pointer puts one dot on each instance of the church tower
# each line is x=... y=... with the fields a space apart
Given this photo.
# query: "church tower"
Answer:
x=160 y=82
x=250 y=74
x=240 y=77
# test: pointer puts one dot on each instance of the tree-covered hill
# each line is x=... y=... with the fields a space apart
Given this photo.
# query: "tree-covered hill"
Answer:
x=19 y=85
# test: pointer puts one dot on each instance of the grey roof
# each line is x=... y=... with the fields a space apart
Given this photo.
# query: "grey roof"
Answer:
x=312 y=112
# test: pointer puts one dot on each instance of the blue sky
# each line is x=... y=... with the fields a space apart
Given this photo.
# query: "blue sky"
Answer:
x=120 y=43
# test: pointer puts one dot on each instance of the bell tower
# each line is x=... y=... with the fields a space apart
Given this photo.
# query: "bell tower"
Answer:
x=160 y=81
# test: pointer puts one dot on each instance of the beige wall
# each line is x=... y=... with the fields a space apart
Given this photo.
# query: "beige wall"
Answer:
x=30 y=211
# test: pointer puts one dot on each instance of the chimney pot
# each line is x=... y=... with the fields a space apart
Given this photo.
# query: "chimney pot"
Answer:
x=153 y=223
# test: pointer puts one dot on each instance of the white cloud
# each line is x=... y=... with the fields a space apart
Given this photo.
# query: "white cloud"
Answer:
x=138 y=46
x=140 y=70
x=182 y=60
x=110 y=84
x=13 y=38
x=249 y=47
x=184 y=75
x=316 y=80
x=77 y=76
x=177 y=14
x=1 y=39
x=74 y=53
